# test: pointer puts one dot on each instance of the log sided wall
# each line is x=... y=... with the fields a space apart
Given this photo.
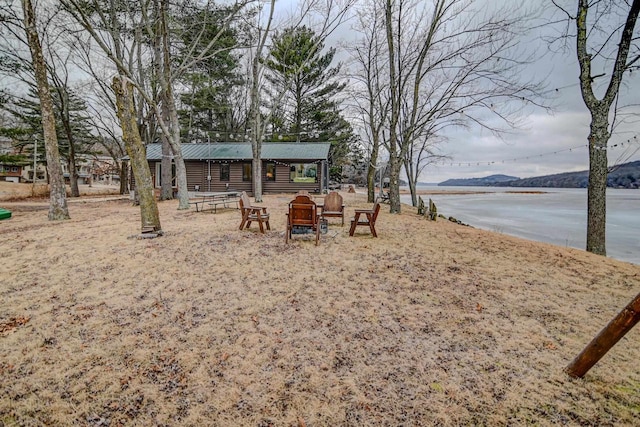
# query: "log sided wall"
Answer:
x=197 y=172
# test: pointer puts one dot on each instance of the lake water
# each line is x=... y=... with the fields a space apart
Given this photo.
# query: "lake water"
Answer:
x=556 y=215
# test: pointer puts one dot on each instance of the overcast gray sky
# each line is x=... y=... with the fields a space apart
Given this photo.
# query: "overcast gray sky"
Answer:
x=545 y=143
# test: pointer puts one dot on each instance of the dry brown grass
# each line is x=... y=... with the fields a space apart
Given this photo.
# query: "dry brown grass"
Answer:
x=10 y=191
x=429 y=324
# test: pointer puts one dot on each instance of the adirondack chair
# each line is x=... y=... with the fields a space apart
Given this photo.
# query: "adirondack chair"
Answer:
x=302 y=216
x=333 y=206
x=252 y=213
x=369 y=219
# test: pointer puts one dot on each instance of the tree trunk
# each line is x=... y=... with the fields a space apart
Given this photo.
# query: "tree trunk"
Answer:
x=412 y=179
x=166 y=170
x=256 y=136
x=181 y=175
x=394 y=183
x=254 y=107
x=124 y=178
x=256 y=127
x=371 y=171
x=257 y=177
x=149 y=215
x=600 y=110
x=167 y=89
x=597 y=190
x=166 y=175
x=65 y=118
x=171 y=125
x=73 y=172
x=394 y=158
x=58 y=209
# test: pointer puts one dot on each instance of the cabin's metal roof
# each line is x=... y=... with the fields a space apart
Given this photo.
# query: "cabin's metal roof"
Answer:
x=242 y=151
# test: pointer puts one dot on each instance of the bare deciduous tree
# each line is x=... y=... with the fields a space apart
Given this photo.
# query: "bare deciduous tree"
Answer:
x=446 y=60
x=102 y=22
x=102 y=105
x=606 y=41
x=255 y=116
x=149 y=216
x=58 y=209
x=372 y=103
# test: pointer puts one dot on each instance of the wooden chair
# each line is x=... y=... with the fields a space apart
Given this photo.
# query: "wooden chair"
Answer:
x=252 y=213
x=369 y=219
x=333 y=206
x=303 y=215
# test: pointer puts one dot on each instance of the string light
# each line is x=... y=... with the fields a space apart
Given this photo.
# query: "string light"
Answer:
x=277 y=162
x=617 y=145
x=246 y=135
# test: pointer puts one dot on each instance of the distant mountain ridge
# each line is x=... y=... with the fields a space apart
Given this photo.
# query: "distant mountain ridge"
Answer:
x=626 y=175
x=491 y=180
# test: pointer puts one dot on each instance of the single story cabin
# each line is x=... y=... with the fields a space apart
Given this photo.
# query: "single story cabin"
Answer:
x=286 y=167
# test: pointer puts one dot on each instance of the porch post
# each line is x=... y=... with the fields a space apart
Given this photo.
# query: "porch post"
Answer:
x=325 y=177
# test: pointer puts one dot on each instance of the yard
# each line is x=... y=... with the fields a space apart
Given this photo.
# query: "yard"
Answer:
x=432 y=323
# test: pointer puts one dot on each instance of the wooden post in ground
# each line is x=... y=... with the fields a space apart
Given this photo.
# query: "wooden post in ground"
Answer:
x=433 y=210
x=607 y=338
x=421 y=208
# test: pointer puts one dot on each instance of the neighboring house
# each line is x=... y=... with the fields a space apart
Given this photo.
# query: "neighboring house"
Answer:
x=93 y=169
x=104 y=170
x=286 y=167
x=84 y=171
x=10 y=167
x=27 y=173
x=10 y=172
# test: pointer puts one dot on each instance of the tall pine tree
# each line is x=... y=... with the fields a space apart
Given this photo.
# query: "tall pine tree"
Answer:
x=301 y=69
x=208 y=98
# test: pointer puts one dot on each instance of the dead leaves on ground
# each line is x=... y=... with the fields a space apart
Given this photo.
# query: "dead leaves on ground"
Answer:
x=10 y=326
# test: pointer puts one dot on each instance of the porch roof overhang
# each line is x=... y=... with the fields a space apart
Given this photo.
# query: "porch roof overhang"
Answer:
x=234 y=151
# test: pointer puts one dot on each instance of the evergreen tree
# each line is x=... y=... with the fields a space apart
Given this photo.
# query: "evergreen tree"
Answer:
x=208 y=96
x=73 y=129
x=301 y=70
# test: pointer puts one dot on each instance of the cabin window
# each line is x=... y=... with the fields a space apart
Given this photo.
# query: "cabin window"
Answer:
x=246 y=172
x=304 y=172
x=224 y=172
x=270 y=172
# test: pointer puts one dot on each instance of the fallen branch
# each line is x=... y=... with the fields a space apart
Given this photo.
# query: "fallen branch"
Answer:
x=607 y=338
